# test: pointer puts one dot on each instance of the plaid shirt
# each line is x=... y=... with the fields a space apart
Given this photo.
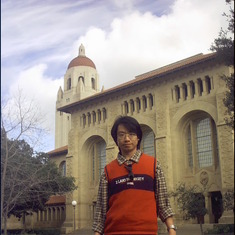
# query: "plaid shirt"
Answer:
x=163 y=205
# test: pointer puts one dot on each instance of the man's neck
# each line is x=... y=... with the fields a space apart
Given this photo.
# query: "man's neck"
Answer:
x=128 y=155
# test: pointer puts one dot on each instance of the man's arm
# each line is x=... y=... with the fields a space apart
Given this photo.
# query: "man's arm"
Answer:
x=101 y=206
x=169 y=221
x=164 y=209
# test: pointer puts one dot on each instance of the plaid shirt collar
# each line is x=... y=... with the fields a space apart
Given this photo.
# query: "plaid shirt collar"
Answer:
x=135 y=158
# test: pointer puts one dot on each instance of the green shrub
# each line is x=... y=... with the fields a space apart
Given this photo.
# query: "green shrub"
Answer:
x=221 y=229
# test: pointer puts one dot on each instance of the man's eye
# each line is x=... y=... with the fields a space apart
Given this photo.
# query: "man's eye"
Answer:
x=132 y=134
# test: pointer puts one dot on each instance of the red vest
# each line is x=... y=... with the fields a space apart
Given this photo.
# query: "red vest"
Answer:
x=132 y=204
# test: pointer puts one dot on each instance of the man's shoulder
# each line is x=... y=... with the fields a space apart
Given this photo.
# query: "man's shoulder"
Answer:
x=144 y=155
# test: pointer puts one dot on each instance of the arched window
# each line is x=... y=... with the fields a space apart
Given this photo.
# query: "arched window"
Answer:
x=93 y=83
x=69 y=84
x=200 y=87
x=62 y=168
x=104 y=114
x=192 y=86
x=45 y=214
x=150 y=101
x=202 y=147
x=132 y=106
x=126 y=107
x=49 y=214
x=144 y=102
x=98 y=159
x=99 y=115
x=148 y=144
x=53 y=214
x=89 y=118
x=93 y=116
x=62 y=214
x=81 y=78
x=58 y=214
x=208 y=84
x=185 y=91
x=177 y=93
x=138 y=104
x=84 y=120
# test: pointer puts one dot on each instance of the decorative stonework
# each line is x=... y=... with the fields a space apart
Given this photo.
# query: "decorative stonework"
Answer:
x=204 y=178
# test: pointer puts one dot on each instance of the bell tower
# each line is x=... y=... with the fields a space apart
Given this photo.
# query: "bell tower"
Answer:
x=80 y=81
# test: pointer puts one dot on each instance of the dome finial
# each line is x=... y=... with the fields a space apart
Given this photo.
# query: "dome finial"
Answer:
x=81 y=51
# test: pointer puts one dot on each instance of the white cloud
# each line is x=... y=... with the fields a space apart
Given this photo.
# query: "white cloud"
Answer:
x=141 y=42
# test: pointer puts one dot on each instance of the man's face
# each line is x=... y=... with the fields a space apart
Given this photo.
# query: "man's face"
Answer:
x=127 y=141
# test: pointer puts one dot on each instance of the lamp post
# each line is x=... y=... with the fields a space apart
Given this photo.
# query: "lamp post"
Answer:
x=74 y=203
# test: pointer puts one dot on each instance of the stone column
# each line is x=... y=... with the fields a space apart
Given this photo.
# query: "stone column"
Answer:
x=182 y=93
x=190 y=93
x=208 y=218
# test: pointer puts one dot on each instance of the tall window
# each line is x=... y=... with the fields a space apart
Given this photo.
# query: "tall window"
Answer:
x=69 y=84
x=204 y=143
x=150 y=101
x=62 y=168
x=126 y=107
x=148 y=142
x=104 y=114
x=193 y=88
x=81 y=78
x=185 y=91
x=132 y=104
x=177 y=93
x=208 y=84
x=200 y=87
x=201 y=139
x=99 y=115
x=98 y=159
x=93 y=83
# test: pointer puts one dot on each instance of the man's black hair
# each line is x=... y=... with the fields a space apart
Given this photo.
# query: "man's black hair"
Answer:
x=130 y=124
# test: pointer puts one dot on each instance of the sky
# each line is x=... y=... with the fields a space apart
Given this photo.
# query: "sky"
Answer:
x=124 y=38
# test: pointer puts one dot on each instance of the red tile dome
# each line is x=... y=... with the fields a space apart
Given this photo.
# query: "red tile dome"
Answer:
x=81 y=59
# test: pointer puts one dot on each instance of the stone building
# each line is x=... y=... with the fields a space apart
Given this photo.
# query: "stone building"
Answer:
x=181 y=112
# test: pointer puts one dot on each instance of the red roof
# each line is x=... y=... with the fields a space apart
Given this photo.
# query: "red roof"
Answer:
x=56 y=200
x=81 y=61
x=58 y=151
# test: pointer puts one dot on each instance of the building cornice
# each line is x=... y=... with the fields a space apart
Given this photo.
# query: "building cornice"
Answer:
x=160 y=72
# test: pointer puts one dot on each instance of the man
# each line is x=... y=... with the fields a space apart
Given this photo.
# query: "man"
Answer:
x=132 y=190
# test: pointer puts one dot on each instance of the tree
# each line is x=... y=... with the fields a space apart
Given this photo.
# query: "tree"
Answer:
x=224 y=46
x=228 y=200
x=191 y=202
x=28 y=178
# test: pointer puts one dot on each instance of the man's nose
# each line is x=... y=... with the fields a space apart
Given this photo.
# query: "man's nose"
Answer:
x=127 y=136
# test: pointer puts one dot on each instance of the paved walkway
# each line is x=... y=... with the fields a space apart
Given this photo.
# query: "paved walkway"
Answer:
x=188 y=229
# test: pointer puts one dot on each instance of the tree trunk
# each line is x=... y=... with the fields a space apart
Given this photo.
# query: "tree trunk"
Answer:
x=5 y=224
x=201 y=228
